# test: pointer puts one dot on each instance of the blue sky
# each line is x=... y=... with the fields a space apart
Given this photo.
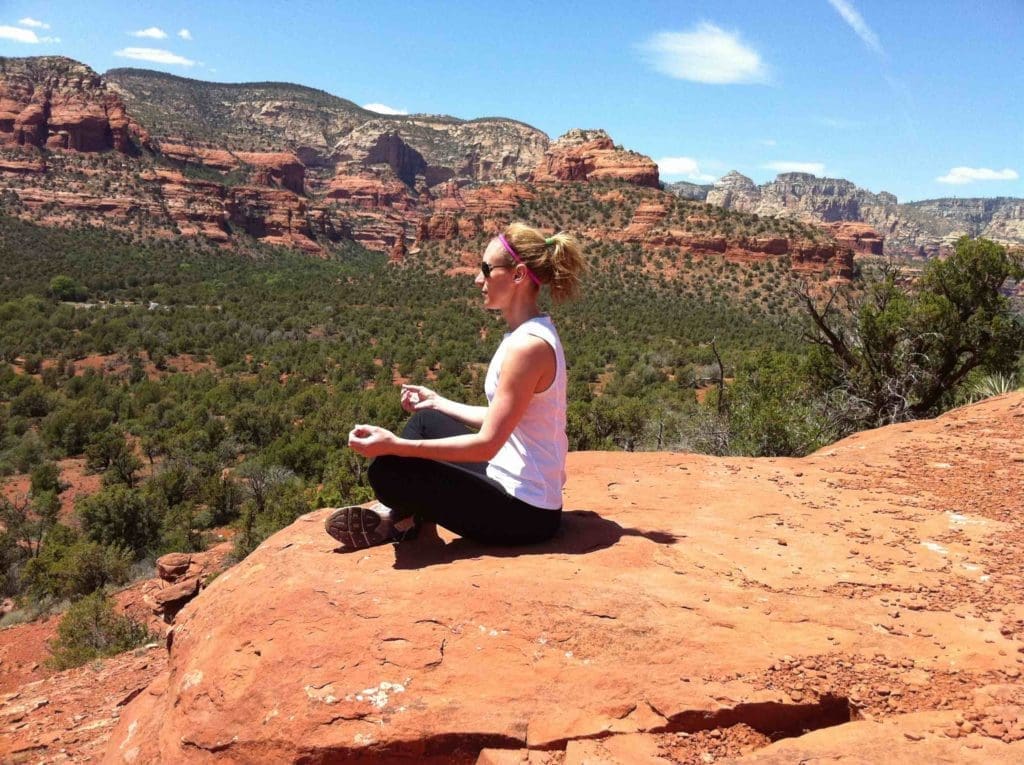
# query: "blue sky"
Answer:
x=922 y=99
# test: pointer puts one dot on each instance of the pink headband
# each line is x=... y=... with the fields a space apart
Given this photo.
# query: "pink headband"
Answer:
x=517 y=259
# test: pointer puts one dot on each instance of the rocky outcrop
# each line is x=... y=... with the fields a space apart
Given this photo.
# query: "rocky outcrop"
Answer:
x=22 y=166
x=797 y=195
x=459 y=213
x=275 y=216
x=370 y=191
x=438 y=149
x=647 y=228
x=54 y=102
x=694 y=192
x=867 y=595
x=926 y=229
x=735 y=191
x=330 y=135
x=647 y=216
x=932 y=226
x=860 y=238
x=196 y=207
x=582 y=155
x=282 y=169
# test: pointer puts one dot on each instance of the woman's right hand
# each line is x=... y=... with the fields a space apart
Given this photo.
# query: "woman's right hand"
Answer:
x=416 y=397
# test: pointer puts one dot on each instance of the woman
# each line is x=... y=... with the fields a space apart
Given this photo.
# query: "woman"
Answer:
x=490 y=473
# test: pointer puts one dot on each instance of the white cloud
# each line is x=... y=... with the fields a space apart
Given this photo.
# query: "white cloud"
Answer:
x=768 y=142
x=852 y=17
x=687 y=167
x=705 y=54
x=384 y=109
x=156 y=55
x=28 y=21
x=184 y=34
x=815 y=168
x=17 y=34
x=959 y=175
x=154 y=33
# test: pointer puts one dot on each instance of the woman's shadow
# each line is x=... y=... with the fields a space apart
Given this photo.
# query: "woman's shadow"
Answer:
x=582 y=531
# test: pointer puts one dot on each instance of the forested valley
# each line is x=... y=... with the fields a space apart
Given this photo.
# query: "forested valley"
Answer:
x=212 y=391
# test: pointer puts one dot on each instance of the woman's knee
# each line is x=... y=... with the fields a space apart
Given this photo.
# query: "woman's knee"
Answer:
x=383 y=473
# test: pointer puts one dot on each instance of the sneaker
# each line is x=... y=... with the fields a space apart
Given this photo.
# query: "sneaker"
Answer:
x=358 y=527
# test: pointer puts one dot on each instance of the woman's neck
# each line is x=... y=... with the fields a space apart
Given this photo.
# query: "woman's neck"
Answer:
x=517 y=315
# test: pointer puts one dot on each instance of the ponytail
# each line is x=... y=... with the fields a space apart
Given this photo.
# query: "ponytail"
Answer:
x=556 y=260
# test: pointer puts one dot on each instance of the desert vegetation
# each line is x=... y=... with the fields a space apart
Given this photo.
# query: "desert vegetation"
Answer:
x=229 y=381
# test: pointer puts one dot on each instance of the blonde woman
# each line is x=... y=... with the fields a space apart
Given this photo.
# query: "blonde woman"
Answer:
x=490 y=473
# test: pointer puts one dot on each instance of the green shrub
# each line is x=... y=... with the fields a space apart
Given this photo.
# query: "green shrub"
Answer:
x=71 y=567
x=70 y=427
x=992 y=385
x=46 y=477
x=65 y=288
x=120 y=516
x=12 y=555
x=34 y=401
x=91 y=629
x=773 y=411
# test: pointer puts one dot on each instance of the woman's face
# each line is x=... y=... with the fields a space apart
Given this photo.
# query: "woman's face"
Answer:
x=497 y=288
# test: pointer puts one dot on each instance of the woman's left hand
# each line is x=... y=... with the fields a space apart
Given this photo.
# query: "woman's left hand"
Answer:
x=371 y=441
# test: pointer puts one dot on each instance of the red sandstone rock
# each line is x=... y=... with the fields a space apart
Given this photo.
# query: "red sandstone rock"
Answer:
x=582 y=155
x=22 y=167
x=173 y=566
x=57 y=103
x=282 y=169
x=648 y=214
x=861 y=238
x=369 y=191
x=667 y=603
x=276 y=216
x=914 y=738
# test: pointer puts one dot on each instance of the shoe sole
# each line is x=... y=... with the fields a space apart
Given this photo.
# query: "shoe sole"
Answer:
x=357 y=527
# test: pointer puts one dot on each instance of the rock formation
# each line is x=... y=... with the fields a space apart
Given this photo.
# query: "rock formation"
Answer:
x=265 y=168
x=860 y=238
x=438 y=149
x=924 y=229
x=582 y=155
x=688 y=601
x=56 y=103
x=735 y=191
x=695 y=192
x=297 y=167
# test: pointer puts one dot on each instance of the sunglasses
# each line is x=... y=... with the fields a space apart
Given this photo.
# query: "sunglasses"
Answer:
x=486 y=268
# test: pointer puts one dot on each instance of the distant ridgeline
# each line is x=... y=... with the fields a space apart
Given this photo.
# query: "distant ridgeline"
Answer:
x=160 y=155
x=924 y=229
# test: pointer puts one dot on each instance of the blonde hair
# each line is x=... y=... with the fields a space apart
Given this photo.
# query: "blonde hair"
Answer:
x=555 y=260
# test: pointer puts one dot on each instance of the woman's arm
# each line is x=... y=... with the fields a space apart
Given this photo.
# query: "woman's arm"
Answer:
x=526 y=363
x=416 y=397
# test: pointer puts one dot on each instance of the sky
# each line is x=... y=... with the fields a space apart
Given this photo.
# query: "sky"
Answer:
x=920 y=98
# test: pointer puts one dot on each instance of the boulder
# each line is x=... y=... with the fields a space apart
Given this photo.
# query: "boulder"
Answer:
x=684 y=593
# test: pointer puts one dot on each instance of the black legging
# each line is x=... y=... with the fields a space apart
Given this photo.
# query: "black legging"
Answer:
x=456 y=495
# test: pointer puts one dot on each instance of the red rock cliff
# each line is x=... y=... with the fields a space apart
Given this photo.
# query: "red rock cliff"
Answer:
x=57 y=103
x=582 y=155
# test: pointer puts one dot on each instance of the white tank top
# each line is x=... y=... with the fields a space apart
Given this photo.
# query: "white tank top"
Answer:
x=531 y=464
